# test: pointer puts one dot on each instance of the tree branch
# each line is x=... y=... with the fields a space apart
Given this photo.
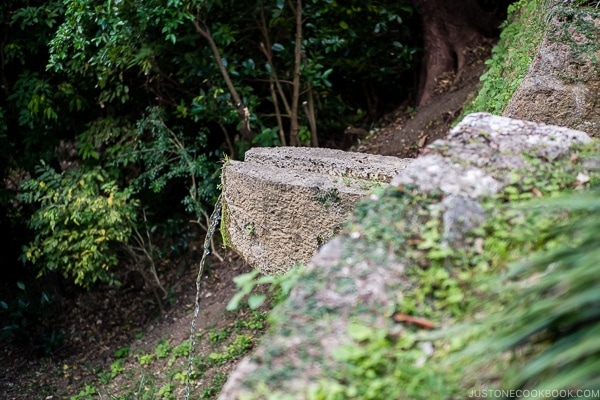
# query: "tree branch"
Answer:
x=241 y=109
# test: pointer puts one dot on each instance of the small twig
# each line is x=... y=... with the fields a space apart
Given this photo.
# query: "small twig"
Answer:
x=294 y=127
x=309 y=110
x=277 y=113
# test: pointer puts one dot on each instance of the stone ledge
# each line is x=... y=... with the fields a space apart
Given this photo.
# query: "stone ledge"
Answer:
x=562 y=85
x=282 y=203
x=329 y=161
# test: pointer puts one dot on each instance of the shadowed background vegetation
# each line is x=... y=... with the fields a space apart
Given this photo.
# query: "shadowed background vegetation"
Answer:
x=115 y=115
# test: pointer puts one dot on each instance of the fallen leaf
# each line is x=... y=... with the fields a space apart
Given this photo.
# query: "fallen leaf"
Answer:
x=409 y=319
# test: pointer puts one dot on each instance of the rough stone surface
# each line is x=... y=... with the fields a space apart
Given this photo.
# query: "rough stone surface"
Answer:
x=477 y=159
x=513 y=137
x=562 y=85
x=300 y=351
x=329 y=161
x=460 y=216
x=281 y=204
x=483 y=140
x=353 y=280
x=459 y=165
x=433 y=172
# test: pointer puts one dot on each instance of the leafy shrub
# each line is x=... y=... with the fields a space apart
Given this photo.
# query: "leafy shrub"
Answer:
x=279 y=285
x=81 y=215
x=168 y=155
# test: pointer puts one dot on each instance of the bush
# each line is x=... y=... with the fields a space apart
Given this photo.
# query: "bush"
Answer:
x=81 y=217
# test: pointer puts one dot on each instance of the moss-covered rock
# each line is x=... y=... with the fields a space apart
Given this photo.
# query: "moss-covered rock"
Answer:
x=368 y=317
x=562 y=85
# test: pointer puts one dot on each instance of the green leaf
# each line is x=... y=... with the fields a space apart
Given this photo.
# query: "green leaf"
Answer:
x=122 y=352
x=256 y=300
x=344 y=25
x=346 y=353
x=234 y=303
x=245 y=279
x=277 y=47
x=359 y=332
x=249 y=64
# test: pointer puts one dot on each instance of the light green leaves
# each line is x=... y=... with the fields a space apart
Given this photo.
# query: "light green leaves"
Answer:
x=81 y=216
x=246 y=283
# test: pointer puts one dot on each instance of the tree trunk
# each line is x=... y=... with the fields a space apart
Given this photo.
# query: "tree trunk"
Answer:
x=449 y=28
x=294 y=124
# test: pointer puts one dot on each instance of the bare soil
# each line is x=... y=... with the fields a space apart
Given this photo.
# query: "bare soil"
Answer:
x=97 y=324
x=406 y=131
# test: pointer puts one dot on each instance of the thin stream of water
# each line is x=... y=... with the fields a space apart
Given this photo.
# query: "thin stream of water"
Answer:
x=215 y=217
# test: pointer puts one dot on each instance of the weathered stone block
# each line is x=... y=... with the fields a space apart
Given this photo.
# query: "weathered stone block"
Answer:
x=562 y=85
x=282 y=203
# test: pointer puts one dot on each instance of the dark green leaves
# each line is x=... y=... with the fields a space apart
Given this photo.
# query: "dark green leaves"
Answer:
x=278 y=47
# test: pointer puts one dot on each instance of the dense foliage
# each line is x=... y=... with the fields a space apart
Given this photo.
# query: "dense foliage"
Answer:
x=150 y=96
x=80 y=215
x=553 y=311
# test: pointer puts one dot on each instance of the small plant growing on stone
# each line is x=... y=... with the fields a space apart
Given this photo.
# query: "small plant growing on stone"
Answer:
x=328 y=197
x=250 y=229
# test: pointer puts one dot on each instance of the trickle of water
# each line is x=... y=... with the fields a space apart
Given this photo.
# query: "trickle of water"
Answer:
x=215 y=217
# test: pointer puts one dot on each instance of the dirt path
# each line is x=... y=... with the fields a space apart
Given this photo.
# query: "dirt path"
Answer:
x=404 y=132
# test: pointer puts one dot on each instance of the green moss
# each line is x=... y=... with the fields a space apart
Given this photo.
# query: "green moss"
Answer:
x=364 y=184
x=511 y=57
x=578 y=31
x=224 y=210
x=521 y=36
x=223 y=225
